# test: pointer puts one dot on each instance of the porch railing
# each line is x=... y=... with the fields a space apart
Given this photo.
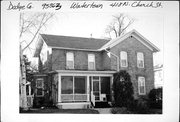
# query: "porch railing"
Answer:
x=74 y=97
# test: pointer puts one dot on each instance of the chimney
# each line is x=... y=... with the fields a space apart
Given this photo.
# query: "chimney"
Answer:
x=91 y=35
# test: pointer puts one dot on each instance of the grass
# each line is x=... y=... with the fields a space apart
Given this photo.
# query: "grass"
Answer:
x=123 y=110
x=64 y=111
x=114 y=110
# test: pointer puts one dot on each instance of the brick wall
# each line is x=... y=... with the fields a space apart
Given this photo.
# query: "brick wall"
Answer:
x=132 y=46
x=103 y=62
x=80 y=59
x=106 y=61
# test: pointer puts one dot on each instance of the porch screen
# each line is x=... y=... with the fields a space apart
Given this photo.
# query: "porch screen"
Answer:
x=80 y=85
x=105 y=85
x=67 y=85
x=73 y=88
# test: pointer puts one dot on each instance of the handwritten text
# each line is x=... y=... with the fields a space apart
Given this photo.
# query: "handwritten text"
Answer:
x=76 y=5
x=149 y=4
x=19 y=6
x=57 y=6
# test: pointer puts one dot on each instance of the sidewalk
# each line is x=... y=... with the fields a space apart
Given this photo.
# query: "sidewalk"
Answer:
x=103 y=110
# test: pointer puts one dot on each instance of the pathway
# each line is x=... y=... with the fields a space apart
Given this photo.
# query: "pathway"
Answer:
x=104 y=110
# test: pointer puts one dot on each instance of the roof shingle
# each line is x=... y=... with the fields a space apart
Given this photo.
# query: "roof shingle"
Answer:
x=73 y=42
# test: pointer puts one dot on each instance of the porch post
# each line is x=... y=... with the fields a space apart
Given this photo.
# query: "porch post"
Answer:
x=59 y=88
x=88 y=89
x=30 y=89
x=112 y=91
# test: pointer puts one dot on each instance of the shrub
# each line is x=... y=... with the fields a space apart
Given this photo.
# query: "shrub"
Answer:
x=139 y=106
x=155 y=98
x=122 y=110
x=123 y=89
x=142 y=106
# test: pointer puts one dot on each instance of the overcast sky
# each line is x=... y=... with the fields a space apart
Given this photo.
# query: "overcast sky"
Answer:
x=83 y=24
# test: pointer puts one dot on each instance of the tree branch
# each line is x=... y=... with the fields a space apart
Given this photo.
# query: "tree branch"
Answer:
x=42 y=23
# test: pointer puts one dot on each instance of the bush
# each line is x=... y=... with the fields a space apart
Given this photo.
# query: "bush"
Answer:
x=155 y=98
x=142 y=106
x=123 y=89
x=139 y=106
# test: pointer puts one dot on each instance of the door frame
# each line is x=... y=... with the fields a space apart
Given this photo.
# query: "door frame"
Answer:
x=99 y=80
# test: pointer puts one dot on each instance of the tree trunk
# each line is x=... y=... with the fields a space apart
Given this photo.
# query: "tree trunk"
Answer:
x=23 y=97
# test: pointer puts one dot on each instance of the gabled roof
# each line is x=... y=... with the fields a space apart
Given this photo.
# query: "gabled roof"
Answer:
x=90 y=44
x=70 y=42
x=136 y=35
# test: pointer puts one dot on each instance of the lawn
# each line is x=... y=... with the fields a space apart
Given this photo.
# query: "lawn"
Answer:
x=123 y=110
x=64 y=111
x=115 y=110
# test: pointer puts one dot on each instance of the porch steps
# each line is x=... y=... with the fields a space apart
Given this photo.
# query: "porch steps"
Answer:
x=102 y=105
x=78 y=105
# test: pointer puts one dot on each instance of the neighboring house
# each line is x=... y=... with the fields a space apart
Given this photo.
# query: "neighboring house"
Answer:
x=158 y=76
x=82 y=70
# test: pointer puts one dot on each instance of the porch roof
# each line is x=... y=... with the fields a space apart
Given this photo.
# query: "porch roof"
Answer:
x=85 y=72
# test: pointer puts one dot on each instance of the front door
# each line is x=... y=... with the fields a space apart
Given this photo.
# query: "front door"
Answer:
x=96 y=88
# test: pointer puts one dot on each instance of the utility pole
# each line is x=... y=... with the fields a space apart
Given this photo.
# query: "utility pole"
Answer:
x=23 y=97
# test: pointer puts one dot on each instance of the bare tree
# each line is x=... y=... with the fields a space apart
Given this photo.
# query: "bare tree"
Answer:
x=118 y=25
x=30 y=26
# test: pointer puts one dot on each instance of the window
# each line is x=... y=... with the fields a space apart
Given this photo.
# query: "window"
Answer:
x=69 y=60
x=123 y=59
x=141 y=86
x=73 y=88
x=140 y=60
x=91 y=61
x=39 y=87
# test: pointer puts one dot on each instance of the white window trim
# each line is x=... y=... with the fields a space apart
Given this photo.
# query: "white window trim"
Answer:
x=126 y=59
x=140 y=84
x=94 y=62
x=67 y=59
x=137 y=59
x=40 y=87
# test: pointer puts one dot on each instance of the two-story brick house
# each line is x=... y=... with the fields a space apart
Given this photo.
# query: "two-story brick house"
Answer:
x=82 y=68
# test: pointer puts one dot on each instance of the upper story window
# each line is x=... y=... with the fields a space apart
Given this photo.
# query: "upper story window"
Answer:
x=141 y=86
x=91 y=61
x=39 y=87
x=123 y=59
x=140 y=60
x=69 y=60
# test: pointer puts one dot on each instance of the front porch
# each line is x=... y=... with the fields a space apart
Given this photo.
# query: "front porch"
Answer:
x=82 y=89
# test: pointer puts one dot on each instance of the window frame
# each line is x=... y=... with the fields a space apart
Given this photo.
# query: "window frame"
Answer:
x=140 y=60
x=123 y=59
x=74 y=93
x=42 y=87
x=93 y=62
x=139 y=85
x=69 y=60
